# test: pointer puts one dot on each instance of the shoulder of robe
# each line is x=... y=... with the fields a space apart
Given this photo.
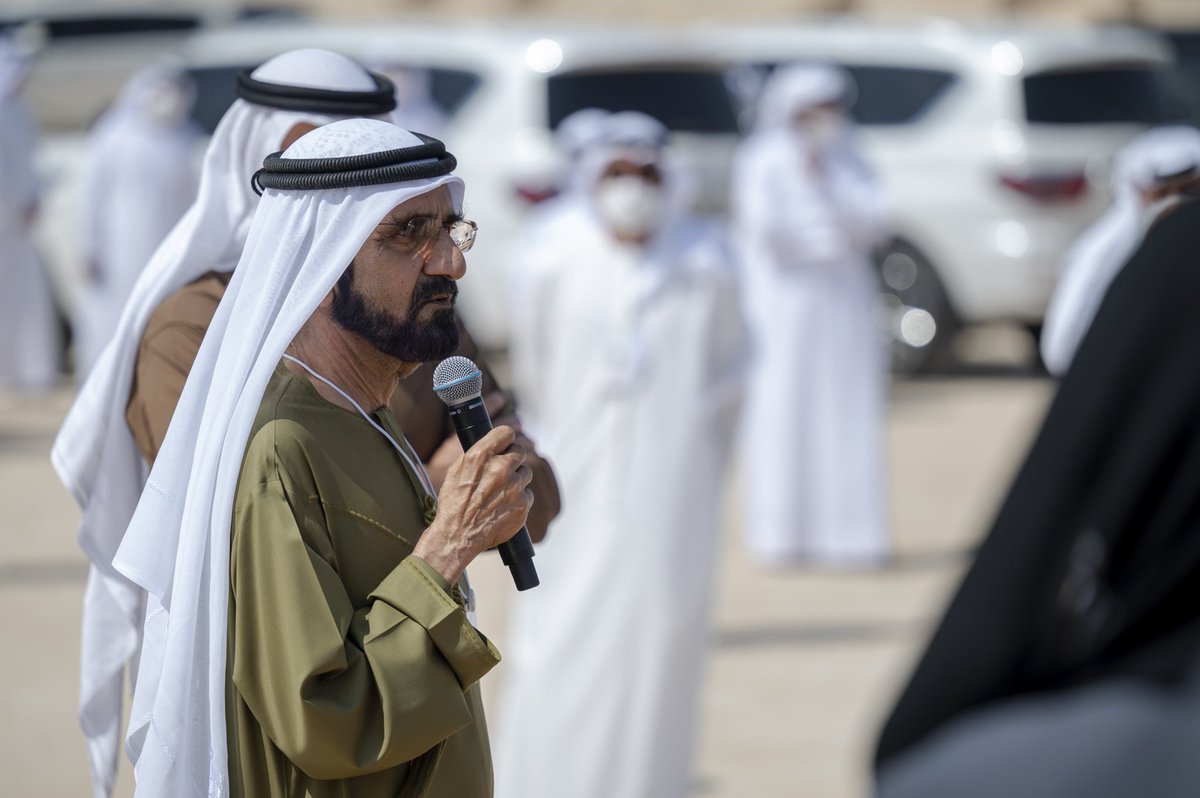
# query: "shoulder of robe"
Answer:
x=283 y=443
x=192 y=306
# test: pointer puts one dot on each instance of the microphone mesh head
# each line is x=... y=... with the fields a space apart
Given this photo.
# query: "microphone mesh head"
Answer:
x=457 y=379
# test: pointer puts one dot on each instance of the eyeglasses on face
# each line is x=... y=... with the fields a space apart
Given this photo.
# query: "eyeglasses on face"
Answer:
x=420 y=231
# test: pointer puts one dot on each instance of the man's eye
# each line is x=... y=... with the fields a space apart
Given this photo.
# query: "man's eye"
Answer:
x=416 y=229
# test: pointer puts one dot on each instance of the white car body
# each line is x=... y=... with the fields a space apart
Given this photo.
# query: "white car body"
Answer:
x=951 y=169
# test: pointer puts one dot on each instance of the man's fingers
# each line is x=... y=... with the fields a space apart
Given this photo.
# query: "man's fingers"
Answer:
x=519 y=449
x=496 y=441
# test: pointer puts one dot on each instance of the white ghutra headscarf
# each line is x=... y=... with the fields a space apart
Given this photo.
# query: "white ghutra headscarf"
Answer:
x=95 y=453
x=177 y=546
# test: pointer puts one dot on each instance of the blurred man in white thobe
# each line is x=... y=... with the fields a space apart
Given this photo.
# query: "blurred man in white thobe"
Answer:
x=630 y=344
x=808 y=214
x=29 y=340
x=141 y=175
x=1149 y=175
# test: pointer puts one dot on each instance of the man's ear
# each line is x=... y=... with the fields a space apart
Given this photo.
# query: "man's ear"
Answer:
x=298 y=130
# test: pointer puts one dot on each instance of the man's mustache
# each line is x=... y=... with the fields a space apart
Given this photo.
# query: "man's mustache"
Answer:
x=435 y=287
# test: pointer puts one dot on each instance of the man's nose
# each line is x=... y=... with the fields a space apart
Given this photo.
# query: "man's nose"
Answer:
x=446 y=259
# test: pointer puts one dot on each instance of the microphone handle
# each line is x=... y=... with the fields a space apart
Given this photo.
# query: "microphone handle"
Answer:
x=471 y=422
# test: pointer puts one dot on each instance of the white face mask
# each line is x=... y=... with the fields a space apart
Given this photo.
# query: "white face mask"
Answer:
x=630 y=205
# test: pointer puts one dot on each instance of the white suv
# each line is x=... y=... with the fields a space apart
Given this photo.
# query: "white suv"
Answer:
x=993 y=141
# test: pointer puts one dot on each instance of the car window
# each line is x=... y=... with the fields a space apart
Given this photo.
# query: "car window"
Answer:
x=1187 y=70
x=216 y=91
x=450 y=88
x=683 y=99
x=71 y=27
x=888 y=95
x=1111 y=94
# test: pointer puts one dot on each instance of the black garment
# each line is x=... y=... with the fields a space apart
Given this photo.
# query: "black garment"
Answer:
x=1092 y=569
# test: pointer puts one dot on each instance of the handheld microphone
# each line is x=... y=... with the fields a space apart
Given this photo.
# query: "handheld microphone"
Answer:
x=459 y=383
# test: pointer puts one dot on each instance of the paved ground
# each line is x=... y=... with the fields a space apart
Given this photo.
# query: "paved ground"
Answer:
x=804 y=662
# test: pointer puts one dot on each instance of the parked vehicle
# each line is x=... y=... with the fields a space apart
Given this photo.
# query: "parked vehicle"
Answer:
x=994 y=142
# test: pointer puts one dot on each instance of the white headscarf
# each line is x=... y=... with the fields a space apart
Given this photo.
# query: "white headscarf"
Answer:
x=95 y=454
x=1103 y=248
x=578 y=130
x=795 y=88
x=177 y=545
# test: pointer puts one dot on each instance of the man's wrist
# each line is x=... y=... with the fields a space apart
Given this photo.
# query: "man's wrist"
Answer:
x=446 y=563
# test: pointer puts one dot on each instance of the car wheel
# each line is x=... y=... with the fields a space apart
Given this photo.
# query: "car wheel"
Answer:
x=913 y=310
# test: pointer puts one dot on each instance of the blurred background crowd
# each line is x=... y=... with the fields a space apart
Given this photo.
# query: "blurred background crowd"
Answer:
x=992 y=137
x=949 y=167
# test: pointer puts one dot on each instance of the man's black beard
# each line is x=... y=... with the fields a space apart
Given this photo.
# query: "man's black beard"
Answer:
x=407 y=339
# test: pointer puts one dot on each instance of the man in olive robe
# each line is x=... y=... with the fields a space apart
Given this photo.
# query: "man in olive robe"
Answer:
x=317 y=638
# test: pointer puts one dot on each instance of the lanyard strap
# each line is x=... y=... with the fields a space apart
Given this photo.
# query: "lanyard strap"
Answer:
x=415 y=464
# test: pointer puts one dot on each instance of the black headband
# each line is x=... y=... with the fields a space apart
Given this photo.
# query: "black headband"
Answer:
x=380 y=100
x=426 y=160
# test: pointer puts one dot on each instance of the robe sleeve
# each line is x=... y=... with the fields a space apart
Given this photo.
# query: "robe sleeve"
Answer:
x=164 y=359
x=343 y=692
x=859 y=202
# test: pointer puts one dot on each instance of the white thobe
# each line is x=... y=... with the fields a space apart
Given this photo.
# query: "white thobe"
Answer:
x=141 y=176
x=29 y=340
x=638 y=361
x=812 y=454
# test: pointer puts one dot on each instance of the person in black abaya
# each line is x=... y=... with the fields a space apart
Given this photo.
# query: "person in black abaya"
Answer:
x=1068 y=663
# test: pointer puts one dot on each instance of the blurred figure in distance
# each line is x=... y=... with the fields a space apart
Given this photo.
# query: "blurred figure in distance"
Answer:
x=29 y=340
x=141 y=175
x=628 y=352
x=807 y=215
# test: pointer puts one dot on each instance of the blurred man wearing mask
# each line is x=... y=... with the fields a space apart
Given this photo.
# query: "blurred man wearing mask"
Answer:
x=630 y=348
x=808 y=214
x=315 y=637
x=121 y=417
x=29 y=352
x=139 y=179
x=1150 y=175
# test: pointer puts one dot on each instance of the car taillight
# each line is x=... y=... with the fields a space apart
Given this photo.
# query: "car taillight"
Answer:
x=1047 y=188
x=535 y=194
